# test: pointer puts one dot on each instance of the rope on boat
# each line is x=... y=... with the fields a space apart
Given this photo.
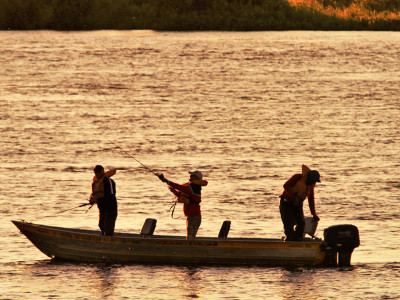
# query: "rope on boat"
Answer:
x=173 y=209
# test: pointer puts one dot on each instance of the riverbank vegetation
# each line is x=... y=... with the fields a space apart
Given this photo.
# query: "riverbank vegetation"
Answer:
x=237 y=15
x=378 y=14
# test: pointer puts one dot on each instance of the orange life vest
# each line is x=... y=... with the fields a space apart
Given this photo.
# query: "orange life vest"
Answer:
x=98 y=189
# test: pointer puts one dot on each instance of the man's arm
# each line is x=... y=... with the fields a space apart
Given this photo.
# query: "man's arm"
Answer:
x=185 y=188
x=311 y=204
x=181 y=187
x=174 y=191
x=106 y=174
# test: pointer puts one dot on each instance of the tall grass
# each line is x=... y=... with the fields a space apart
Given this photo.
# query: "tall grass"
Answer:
x=374 y=12
x=200 y=14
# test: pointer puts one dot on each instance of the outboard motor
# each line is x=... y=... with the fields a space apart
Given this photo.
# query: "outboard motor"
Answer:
x=341 y=239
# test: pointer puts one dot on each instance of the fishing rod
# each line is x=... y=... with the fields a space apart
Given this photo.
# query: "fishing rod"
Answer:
x=131 y=156
x=75 y=207
x=91 y=205
x=84 y=204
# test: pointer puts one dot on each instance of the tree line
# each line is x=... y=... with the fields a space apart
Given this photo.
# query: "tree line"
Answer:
x=191 y=15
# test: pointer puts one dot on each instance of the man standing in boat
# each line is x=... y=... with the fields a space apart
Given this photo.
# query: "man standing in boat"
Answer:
x=103 y=193
x=296 y=190
x=190 y=195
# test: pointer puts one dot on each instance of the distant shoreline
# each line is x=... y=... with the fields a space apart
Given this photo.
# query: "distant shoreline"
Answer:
x=198 y=15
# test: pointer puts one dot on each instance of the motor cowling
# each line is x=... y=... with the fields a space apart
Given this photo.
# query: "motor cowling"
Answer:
x=341 y=239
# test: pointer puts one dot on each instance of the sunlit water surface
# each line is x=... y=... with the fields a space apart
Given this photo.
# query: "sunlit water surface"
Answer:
x=247 y=109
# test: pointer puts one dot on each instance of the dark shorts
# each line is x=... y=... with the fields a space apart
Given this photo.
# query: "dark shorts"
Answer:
x=192 y=226
x=107 y=222
x=293 y=220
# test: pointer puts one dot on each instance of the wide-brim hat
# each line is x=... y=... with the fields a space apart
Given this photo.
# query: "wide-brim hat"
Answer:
x=198 y=174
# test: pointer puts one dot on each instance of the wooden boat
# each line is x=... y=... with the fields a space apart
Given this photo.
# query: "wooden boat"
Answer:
x=89 y=246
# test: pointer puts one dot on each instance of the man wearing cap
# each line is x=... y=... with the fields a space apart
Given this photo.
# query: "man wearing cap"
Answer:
x=296 y=190
x=190 y=195
x=103 y=193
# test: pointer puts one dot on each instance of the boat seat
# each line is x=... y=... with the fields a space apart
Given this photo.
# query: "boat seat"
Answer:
x=148 y=227
x=223 y=233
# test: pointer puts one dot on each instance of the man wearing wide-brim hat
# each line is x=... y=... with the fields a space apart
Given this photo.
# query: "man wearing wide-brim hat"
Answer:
x=190 y=195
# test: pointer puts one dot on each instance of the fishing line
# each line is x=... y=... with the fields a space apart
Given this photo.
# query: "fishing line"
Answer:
x=131 y=156
x=147 y=168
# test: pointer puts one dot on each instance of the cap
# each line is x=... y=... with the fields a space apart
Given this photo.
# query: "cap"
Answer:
x=313 y=177
x=98 y=168
x=198 y=174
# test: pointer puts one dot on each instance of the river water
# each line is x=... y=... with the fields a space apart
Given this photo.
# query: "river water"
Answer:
x=247 y=109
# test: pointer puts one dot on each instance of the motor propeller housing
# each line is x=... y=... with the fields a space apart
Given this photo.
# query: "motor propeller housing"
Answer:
x=341 y=239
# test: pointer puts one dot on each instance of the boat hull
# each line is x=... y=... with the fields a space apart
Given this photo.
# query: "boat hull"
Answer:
x=89 y=246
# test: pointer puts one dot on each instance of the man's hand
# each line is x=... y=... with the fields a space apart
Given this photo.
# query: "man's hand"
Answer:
x=92 y=200
x=162 y=178
x=316 y=218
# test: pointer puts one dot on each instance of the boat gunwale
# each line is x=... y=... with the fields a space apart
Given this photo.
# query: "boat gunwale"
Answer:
x=137 y=236
x=53 y=241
